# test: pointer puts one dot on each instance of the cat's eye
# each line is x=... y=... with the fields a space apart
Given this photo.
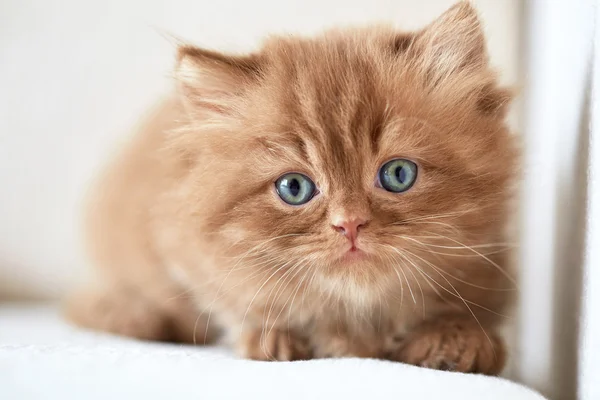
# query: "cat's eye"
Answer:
x=295 y=188
x=397 y=175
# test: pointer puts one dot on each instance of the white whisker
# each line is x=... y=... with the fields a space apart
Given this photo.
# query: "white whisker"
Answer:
x=498 y=267
x=466 y=305
x=446 y=289
x=425 y=245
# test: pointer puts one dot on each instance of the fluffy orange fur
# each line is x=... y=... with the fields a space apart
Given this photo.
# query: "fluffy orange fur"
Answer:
x=190 y=237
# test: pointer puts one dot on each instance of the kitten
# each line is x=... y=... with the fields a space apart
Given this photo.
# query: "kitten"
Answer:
x=337 y=196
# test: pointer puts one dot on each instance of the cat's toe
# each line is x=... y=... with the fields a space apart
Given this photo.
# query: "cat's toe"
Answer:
x=274 y=345
x=453 y=345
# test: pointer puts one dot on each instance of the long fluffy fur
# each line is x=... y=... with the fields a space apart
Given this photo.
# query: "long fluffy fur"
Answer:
x=188 y=232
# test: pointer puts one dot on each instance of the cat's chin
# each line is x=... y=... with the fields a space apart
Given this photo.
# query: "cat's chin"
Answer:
x=354 y=277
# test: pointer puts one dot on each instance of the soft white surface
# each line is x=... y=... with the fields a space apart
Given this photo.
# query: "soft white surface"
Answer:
x=41 y=357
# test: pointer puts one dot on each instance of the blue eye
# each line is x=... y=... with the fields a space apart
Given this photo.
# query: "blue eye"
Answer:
x=398 y=175
x=295 y=189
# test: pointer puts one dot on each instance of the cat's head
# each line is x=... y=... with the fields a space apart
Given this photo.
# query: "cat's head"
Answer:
x=356 y=154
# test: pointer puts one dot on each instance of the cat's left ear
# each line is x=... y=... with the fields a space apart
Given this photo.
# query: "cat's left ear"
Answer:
x=211 y=83
x=454 y=43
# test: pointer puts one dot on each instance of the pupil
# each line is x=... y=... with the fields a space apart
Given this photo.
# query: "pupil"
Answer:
x=294 y=187
x=401 y=174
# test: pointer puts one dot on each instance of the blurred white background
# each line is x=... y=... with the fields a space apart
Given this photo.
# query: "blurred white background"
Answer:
x=75 y=76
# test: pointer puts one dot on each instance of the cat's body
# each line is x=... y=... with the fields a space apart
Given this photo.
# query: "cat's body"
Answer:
x=189 y=231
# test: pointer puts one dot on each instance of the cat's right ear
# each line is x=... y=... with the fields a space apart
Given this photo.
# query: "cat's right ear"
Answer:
x=452 y=45
x=211 y=83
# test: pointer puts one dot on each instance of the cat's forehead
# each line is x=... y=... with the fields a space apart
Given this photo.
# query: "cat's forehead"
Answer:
x=332 y=92
x=347 y=103
x=337 y=64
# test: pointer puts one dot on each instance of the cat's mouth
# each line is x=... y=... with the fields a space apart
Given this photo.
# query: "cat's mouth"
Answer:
x=353 y=253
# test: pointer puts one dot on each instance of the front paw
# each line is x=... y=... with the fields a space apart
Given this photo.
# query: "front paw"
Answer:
x=273 y=345
x=456 y=345
x=336 y=346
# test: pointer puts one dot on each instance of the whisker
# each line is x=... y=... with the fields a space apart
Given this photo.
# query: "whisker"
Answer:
x=446 y=290
x=265 y=267
x=310 y=283
x=285 y=280
x=427 y=278
x=420 y=289
x=498 y=267
x=455 y=277
x=435 y=216
x=414 y=276
x=258 y=291
x=298 y=286
x=265 y=331
x=391 y=261
x=452 y=228
x=406 y=279
x=470 y=310
x=300 y=269
x=229 y=273
x=483 y=245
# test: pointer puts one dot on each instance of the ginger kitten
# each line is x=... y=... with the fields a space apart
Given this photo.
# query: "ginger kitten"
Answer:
x=336 y=196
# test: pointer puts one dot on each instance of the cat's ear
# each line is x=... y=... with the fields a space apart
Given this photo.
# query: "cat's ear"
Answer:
x=211 y=82
x=454 y=43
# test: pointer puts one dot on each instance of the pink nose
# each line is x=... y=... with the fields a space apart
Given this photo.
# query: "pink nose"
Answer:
x=350 y=227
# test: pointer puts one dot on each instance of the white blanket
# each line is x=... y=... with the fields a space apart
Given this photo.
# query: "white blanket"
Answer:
x=42 y=357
